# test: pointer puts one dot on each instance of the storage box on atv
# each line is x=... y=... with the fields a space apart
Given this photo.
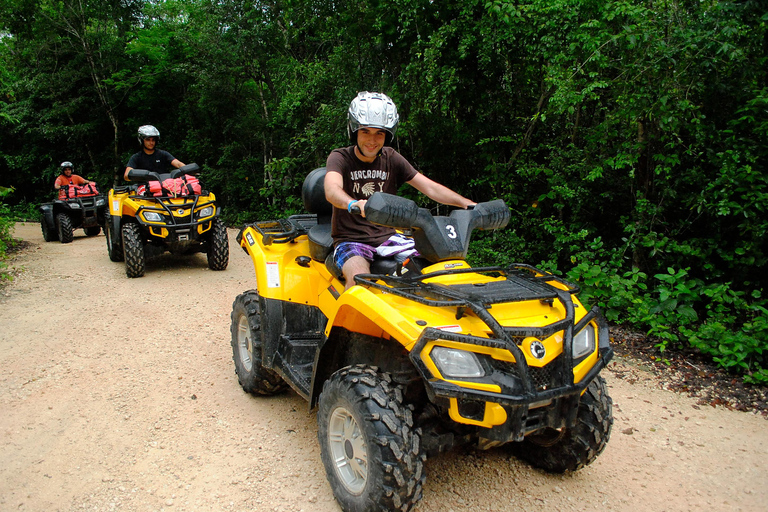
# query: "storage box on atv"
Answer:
x=164 y=212
x=403 y=366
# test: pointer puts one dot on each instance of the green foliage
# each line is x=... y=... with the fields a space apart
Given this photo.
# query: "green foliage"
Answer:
x=6 y=230
x=629 y=137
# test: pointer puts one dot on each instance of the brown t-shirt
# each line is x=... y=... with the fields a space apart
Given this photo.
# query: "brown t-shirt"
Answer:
x=361 y=180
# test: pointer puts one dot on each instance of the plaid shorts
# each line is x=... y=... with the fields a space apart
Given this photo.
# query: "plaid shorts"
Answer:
x=397 y=246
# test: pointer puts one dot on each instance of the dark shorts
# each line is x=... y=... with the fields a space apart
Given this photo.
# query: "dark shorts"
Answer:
x=346 y=250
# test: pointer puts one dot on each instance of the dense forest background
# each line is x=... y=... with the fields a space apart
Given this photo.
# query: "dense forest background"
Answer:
x=629 y=137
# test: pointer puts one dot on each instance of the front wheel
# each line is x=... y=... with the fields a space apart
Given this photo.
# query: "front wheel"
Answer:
x=570 y=449
x=371 y=452
x=218 y=246
x=247 y=347
x=133 y=246
x=64 y=224
x=49 y=234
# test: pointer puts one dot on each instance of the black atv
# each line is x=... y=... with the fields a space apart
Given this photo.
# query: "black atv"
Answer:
x=62 y=216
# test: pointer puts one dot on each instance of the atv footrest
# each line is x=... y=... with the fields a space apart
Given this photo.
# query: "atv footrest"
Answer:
x=295 y=358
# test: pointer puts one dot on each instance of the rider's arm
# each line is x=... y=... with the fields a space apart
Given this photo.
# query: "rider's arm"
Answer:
x=438 y=192
x=125 y=174
x=334 y=193
x=177 y=163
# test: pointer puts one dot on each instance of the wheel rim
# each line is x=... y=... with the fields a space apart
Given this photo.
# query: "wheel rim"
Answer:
x=244 y=342
x=348 y=450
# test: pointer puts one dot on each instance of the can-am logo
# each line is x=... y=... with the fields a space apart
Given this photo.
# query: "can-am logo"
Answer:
x=453 y=265
x=537 y=350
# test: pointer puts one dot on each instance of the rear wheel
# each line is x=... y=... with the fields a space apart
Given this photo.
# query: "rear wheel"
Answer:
x=115 y=250
x=218 y=246
x=92 y=231
x=49 y=234
x=371 y=452
x=247 y=347
x=573 y=448
x=133 y=247
x=64 y=225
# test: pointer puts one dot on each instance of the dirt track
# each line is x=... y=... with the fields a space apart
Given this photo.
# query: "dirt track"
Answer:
x=120 y=394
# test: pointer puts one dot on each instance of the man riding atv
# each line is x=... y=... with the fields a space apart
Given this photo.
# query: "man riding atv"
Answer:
x=354 y=173
x=416 y=356
x=77 y=205
x=66 y=178
x=151 y=158
x=168 y=211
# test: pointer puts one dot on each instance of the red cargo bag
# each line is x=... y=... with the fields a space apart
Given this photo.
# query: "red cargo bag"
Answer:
x=75 y=191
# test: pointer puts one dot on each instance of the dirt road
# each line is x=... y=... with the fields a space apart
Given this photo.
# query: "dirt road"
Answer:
x=120 y=394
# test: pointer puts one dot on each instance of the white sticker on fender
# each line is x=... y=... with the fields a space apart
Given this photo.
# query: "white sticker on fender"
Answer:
x=273 y=275
x=450 y=328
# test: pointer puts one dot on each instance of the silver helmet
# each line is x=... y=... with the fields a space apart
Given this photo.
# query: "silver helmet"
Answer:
x=375 y=110
x=147 y=131
x=67 y=165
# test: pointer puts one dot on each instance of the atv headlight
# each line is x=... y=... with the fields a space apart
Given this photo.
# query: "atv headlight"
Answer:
x=153 y=217
x=101 y=201
x=584 y=342
x=456 y=363
x=74 y=206
x=205 y=212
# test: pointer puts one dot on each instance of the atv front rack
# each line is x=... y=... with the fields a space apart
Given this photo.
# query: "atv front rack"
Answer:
x=523 y=282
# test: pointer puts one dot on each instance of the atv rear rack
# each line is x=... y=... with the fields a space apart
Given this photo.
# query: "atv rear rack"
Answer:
x=282 y=231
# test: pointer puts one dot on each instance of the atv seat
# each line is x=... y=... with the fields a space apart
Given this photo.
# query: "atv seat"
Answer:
x=313 y=195
x=319 y=235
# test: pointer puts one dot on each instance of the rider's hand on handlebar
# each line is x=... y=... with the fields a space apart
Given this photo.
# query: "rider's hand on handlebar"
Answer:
x=358 y=208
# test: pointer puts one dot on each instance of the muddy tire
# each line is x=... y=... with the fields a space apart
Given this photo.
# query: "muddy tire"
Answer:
x=49 y=235
x=573 y=448
x=371 y=452
x=92 y=231
x=64 y=227
x=218 y=246
x=247 y=347
x=115 y=251
x=133 y=247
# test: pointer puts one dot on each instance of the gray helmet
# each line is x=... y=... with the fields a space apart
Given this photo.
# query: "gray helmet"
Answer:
x=67 y=165
x=375 y=110
x=147 y=131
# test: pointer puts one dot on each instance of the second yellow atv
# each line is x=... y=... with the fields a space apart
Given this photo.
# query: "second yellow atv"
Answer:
x=140 y=224
x=422 y=356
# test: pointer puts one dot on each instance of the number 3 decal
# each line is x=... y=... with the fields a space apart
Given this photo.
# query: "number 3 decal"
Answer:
x=451 y=231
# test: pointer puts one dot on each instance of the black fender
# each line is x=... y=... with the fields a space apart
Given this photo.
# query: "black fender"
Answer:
x=114 y=229
x=48 y=215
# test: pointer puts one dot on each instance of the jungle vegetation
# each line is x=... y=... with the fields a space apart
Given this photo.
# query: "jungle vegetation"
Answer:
x=629 y=137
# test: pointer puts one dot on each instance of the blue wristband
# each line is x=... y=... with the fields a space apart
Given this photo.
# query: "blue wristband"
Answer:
x=349 y=206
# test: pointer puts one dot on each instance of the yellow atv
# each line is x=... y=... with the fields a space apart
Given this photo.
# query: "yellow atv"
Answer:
x=421 y=356
x=148 y=219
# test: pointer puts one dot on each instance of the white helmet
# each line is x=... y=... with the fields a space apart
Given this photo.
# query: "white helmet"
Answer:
x=67 y=165
x=147 y=131
x=375 y=110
